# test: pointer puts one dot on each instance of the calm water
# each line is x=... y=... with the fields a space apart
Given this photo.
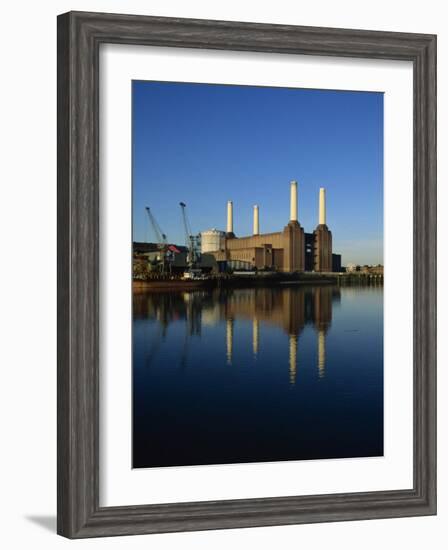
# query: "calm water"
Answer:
x=259 y=374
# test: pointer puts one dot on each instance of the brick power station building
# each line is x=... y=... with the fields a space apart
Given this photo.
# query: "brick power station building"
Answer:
x=289 y=250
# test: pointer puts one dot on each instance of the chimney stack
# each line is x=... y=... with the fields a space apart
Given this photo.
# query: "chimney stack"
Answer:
x=293 y=214
x=322 y=207
x=256 y=221
x=229 y=217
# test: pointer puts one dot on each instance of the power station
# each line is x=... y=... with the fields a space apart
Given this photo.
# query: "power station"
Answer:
x=290 y=250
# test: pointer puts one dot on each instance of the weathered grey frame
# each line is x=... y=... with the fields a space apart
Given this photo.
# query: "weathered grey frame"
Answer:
x=79 y=37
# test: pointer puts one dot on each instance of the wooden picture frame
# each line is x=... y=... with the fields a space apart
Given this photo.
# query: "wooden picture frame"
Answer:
x=79 y=38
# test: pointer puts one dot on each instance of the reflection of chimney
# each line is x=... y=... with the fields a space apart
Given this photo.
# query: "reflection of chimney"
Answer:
x=229 y=217
x=321 y=353
x=293 y=211
x=322 y=207
x=229 y=340
x=292 y=358
x=255 y=329
x=256 y=221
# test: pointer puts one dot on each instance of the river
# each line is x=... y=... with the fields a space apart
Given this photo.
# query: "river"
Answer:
x=257 y=374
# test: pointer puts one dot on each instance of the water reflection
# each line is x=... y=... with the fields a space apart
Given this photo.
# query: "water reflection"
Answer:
x=255 y=336
x=229 y=340
x=258 y=374
x=291 y=309
x=292 y=358
x=321 y=353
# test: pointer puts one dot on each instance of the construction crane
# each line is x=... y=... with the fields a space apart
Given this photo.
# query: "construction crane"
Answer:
x=160 y=235
x=189 y=238
x=161 y=239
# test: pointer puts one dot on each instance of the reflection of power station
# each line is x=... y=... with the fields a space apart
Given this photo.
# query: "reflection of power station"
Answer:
x=289 y=250
x=293 y=342
x=255 y=336
x=321 y=353
x=229 y=340
x=323 y=305
x=291 y=309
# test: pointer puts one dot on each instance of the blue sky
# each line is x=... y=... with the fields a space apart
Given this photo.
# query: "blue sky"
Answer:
x=205 y=144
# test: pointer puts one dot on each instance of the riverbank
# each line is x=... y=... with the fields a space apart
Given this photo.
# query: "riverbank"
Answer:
x=258 y=279
x=171 y=284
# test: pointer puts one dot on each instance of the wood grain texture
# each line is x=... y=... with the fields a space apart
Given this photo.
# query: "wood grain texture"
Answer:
x=79 y=38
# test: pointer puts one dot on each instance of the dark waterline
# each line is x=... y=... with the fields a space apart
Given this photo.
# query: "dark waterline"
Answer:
x=257 y=374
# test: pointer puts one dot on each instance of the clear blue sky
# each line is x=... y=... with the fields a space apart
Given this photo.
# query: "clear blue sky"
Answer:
x=206 y=144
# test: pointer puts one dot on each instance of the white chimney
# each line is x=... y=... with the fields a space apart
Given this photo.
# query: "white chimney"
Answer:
x=322 y=207
x=256 y=221
x=293 y=215
x=229 y=217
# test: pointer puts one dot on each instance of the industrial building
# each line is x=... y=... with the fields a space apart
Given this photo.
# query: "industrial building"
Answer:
x=289 y=250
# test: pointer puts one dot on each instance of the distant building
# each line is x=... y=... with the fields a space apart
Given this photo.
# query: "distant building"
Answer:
x=144 y=248
x=336 y=261
x=373 y=269
x=369 y=269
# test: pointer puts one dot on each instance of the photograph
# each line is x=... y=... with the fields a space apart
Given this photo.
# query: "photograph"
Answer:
x=231 y=275
x=257 y=274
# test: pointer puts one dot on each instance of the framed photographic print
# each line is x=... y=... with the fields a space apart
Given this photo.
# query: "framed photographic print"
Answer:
x=246 y=274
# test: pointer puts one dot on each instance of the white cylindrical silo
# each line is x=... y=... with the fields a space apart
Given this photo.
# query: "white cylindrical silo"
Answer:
x=212 y=240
